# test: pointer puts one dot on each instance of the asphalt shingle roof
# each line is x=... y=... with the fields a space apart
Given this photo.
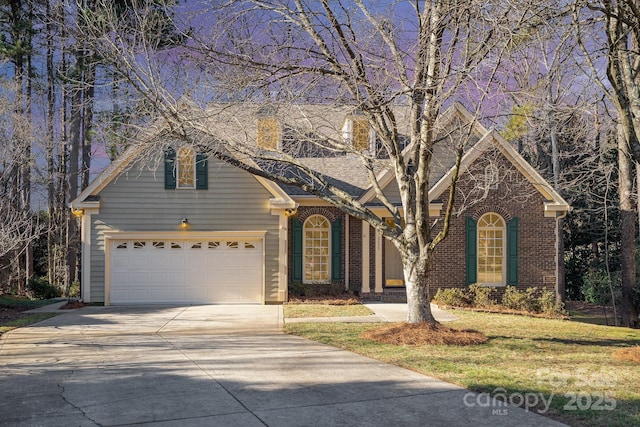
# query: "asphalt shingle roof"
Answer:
x=306 y=127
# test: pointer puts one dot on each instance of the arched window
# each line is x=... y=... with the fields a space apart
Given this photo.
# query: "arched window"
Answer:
x=491 y=249
x=316 y=249
x=186 y=168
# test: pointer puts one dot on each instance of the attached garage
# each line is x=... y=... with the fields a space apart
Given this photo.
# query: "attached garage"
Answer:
x=164 y=269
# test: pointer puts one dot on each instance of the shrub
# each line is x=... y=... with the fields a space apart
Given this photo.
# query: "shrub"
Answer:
x=74 y=290
x=595 y=287
x=482 y=296
x=515 y=299
x=315 y=289
x=531 y=300
x=549 y=305
x=453 y=297
x=39 y=288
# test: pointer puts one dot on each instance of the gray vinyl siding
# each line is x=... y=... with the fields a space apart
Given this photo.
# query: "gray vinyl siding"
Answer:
x=137 y=201
x=392 y=192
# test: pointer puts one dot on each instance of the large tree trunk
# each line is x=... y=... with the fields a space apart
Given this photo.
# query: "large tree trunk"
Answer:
x=416 y=276
x=628 y=312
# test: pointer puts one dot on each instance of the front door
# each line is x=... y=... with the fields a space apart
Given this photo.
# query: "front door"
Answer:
x=392 y=265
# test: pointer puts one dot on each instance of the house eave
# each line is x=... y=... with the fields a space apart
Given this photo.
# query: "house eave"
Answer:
x=555 y=210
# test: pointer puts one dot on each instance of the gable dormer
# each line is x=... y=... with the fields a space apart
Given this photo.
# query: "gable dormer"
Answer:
x=268 y=130
x=357 y=131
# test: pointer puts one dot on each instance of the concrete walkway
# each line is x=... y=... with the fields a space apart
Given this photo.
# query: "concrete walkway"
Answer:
x=214 y=366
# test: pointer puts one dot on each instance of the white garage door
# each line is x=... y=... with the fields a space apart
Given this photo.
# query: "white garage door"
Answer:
x=164 y=271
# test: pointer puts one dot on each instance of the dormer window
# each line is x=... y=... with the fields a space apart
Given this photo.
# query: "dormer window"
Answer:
x=357 y=132
x=268 y=133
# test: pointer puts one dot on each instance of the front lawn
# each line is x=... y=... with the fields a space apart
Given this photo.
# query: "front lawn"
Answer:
x=568 y=364
x=24 y=320
x=12 y=310
x=23 y=302
x=325 y=310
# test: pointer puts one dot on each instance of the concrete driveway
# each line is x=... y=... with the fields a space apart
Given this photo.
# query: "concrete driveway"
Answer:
x=215 y=365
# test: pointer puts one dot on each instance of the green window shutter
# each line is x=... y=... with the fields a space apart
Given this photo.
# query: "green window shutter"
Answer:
x=170 y=169
x=336 y=250
x=471 y=251
x=296 y=250
x=202 y=172
x=512 y=252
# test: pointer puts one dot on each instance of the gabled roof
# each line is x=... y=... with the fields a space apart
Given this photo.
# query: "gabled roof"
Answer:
x=89 y=197
x=238 y=123
x=554 y=202
x=443 y=155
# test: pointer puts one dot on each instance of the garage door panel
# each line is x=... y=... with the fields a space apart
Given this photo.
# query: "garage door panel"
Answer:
x=186 y=271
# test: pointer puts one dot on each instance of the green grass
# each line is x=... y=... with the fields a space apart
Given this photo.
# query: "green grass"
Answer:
x=561 y=359
x=28 y=303
x=325 y=310
x=25 y=321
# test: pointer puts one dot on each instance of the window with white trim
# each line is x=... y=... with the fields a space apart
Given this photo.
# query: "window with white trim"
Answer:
x=357 y=132
x=185 y=168
x=491 y=249
x=316 y=249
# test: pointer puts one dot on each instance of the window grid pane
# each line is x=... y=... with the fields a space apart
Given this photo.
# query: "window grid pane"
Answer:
x=490 y=249
x=186 y=168
x=316 y=249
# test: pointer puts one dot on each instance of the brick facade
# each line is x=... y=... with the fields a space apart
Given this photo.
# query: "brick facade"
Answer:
x=513 y=197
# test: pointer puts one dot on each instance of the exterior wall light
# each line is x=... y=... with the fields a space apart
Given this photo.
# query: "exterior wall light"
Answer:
x=77 y=212
x=184 y=224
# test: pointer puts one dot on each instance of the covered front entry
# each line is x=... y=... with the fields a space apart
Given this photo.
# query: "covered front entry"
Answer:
x=393 y=274
x=178 y=270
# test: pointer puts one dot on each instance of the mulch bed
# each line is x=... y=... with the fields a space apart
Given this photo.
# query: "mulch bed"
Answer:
x=631 y=354
x=423 y=334
x=325 y=299
x=73 y=304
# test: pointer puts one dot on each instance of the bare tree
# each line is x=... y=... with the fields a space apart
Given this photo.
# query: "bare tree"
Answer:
x=373 y=56
x=619 y=22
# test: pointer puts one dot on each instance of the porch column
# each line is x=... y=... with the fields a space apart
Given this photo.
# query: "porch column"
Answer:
x=365 y=258
x=378 y=278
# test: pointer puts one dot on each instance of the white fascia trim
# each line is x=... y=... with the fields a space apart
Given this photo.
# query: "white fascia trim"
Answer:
x=276 y=191
x=282 y=204
x=435 y=209
x=551 y=210
x=93 y=205
x=250 y=234
x=310 y=201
